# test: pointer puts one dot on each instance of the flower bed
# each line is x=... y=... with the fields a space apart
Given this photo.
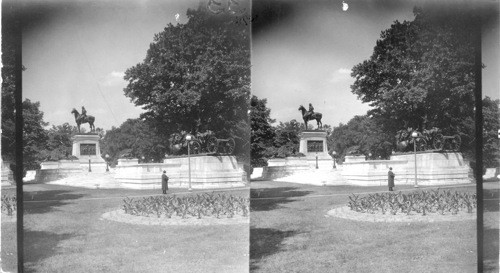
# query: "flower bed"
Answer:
x=421 y=202
x=200 y=205
x=9 y=205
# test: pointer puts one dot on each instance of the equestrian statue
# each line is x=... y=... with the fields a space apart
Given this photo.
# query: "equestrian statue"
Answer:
x=311 y=115
x=83 y=118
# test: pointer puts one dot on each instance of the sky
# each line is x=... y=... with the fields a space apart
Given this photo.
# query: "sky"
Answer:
x=305 y=53
x=76 y=53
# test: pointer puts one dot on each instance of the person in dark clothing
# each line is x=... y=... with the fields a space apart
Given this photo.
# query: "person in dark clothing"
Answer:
x=390 y=177
x=164 y=182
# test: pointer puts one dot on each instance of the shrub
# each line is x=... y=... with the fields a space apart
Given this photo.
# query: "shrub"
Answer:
x=9 y=205
x=207 y=204
x=421 y=202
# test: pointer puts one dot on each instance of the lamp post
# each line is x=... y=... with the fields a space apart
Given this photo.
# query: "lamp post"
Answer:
x=369 y=156
x=414 y=135
x=188 y=139
x=107 y=162
x=334 y=154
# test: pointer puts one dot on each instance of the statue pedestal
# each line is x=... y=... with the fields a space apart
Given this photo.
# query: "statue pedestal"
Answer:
x=313 y=146
x=7 y=175
x=86 y=147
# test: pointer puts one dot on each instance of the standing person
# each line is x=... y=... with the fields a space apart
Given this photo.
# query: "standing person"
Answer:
x=390 y=177
x=164 y=182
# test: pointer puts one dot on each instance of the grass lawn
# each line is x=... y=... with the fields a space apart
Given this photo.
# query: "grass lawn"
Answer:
x=9 y=239
x=491 y=226
x=290 y=233
x=63 y=232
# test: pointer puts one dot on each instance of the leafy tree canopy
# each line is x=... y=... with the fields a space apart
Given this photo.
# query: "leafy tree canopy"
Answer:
x=34 y=135
x=8 y=90
x=59 y=143
x=491 y=125
x=287 y=140
x=195 y=77
x=137 y=137
x=261 y=132
x=421 y=73
x=362 y=135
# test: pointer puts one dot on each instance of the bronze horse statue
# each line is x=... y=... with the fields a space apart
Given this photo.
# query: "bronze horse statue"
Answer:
x=83 y=119
x=308 y=116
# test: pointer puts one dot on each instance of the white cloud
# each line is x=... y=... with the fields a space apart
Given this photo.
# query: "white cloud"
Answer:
x=341 y=74
x=114 y=78
x=344 y=71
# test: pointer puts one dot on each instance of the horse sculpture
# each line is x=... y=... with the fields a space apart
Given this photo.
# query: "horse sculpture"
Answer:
x=83 y=119
x=308 y=116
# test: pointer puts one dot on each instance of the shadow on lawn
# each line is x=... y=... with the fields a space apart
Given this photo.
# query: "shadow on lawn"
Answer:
x=45 y=201
x=259 y=201
x=265 y=242
x=39 y=245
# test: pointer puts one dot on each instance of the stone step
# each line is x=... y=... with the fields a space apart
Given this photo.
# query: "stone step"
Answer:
x=315 y=177
x=89 y=180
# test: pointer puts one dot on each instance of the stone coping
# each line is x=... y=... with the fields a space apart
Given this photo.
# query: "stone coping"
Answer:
x=346 y=213
x=120 y=216
x=377 y=161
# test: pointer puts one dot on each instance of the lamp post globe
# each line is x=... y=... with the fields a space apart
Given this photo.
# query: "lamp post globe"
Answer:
x=334 y=155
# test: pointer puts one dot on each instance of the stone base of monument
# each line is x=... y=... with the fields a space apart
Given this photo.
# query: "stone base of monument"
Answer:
x=313 y=145
x=94 y=167
x=207 y=172
x=433 y=168
x=281 y=167
x=7 y=174
x=54 y=170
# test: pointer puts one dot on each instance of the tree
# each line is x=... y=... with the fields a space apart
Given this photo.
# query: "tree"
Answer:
x=491 y=125
x=8 y=90
x=195 y=77
x=421 y=73
x=59 y=144
x=287 y=140
x=34 y=135
x=362 y=135
x=137 y=137
x=261 y=132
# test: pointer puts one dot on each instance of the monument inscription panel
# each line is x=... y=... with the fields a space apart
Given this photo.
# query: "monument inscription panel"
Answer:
x=314 y=146
x=88 y=149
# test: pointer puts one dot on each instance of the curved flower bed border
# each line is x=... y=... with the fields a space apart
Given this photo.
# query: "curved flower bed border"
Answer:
x=120 y=216
x=346 y=213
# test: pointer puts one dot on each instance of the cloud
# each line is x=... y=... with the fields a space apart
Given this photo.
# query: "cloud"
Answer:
x=341 y=74
x=114 y=78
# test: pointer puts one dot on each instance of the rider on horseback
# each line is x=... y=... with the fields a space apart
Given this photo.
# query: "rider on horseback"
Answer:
x=83 y=115
x=310 y=113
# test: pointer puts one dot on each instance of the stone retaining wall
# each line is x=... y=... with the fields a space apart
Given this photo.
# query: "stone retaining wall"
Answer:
x=207 y=172
x=433 y=168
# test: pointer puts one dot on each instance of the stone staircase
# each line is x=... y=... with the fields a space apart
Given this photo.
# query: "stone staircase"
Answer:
x=317 y=177
x=89 y=180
